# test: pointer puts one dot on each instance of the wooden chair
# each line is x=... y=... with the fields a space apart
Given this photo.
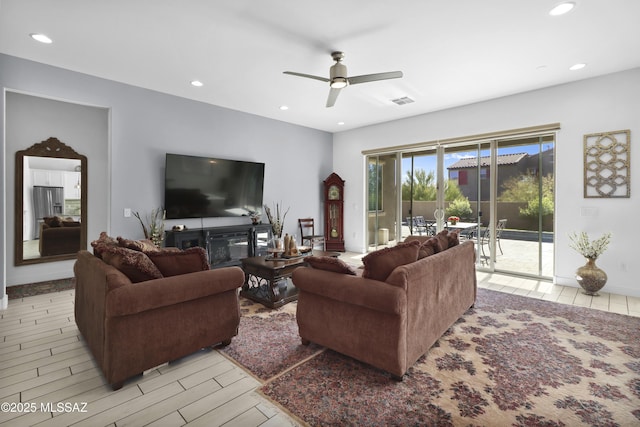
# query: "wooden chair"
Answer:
x=308 y=233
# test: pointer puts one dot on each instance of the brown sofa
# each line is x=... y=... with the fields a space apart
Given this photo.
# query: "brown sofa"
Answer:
x=60 y=240
x=391 y=323
x=132 y=327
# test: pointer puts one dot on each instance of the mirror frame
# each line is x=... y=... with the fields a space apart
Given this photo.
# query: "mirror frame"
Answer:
x=54 y=148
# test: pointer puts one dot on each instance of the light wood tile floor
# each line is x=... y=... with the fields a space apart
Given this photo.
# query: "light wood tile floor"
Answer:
x=545 y=290
x=43 y=361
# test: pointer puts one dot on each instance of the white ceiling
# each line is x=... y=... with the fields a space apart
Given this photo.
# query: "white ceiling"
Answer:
x=451 y=52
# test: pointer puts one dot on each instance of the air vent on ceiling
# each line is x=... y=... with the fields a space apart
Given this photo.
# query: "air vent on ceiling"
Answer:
x=403 y=101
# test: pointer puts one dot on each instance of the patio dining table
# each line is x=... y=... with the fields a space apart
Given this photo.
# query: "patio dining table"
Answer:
x=466 y=228
x=461 y=225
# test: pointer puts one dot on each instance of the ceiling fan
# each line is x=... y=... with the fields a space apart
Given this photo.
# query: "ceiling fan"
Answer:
x=338 y=77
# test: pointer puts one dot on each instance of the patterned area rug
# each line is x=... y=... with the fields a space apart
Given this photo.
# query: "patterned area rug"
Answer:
x=268 y=342
x=510 y=360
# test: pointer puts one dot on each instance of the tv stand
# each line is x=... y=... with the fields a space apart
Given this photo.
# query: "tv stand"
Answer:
x=225 y=246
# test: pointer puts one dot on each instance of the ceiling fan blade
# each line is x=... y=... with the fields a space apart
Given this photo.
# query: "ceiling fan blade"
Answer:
x=309 y=76
x=333 y=95
x=374 y=77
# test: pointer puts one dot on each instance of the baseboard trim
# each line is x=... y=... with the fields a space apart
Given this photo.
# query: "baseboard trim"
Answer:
x=31 y=289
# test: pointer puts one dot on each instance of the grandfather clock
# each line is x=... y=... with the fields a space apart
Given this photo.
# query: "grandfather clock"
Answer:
x=334 y=213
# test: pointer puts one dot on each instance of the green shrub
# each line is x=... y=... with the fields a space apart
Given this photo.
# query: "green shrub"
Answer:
x=460 y=207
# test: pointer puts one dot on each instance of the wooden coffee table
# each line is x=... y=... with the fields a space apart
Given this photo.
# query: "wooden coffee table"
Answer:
x=268 y=281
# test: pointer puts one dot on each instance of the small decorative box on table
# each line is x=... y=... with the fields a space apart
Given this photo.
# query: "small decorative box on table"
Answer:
x=268 y=280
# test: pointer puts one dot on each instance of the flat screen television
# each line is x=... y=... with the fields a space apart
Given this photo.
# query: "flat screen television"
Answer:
x=204 y=187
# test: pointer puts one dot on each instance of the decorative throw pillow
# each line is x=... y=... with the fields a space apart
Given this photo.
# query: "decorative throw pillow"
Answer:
x=379 y=264
x=144 y=245
x=103 y=243
x=330 y=264
x=173 y=263
x=134 y=264
x=428 y=248
x=454 y=238
x=443 y=240
x=413 y=237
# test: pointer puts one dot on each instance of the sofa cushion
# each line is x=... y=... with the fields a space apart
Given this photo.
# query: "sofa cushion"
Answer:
x=330 y=264
x=144 y=245
x=443 y=240
x=453 y=238
x=103 y=243
x=173 y=263
x=379 y=264
x=428 y=248
x=134 y=264
x=421 y=239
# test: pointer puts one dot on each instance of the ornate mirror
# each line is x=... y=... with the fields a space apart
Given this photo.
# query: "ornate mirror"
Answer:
x=51 y=203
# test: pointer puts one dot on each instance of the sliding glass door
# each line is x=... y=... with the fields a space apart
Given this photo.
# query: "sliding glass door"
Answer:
x=419 y=192
x=382 y=201
x=498 y=192
x=467 y=192
x=525 y=206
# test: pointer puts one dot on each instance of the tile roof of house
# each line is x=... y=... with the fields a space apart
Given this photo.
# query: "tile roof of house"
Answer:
x=503 y=159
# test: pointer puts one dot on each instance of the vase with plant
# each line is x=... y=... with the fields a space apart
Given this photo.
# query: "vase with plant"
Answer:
x=453 y=220
x=590 y=277
x=154 y=231
x=277 y=224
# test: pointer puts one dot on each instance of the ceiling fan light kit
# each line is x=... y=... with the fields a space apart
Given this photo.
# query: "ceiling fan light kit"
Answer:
x=339 y=83
x=338 y=77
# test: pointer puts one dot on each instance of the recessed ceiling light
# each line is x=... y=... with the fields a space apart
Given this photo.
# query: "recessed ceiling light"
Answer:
x=197 y=83
x=41 y=38
x=284 y=107
x=562 y=8
x=575 y=67
x=340 y=123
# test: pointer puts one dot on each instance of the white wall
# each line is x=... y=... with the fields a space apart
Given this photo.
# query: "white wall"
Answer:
x=601 y=104
x=144 y=125
x=32 y=119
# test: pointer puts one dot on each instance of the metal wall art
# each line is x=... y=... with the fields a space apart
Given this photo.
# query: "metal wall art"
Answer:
x=606 y=164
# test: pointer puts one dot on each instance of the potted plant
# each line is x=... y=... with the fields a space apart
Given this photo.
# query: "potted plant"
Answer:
x=589 y=276
x=155 y=230
x=277 y=225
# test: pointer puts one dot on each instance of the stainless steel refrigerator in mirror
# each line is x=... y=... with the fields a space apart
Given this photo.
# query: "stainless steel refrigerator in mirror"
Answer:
x=47 y=202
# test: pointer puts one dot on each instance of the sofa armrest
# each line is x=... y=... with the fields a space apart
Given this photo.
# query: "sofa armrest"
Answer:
x=143 y=296
x=350 y=289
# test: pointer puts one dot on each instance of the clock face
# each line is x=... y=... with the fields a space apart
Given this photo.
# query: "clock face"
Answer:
x=334 y=193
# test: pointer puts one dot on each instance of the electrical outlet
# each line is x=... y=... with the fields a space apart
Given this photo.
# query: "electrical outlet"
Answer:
x=127 y=212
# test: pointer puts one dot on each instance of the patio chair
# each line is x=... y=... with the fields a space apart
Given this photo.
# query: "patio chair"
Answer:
x=416 y=226
x=486 y=235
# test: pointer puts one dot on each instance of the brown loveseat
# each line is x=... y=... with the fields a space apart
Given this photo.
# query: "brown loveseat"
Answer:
x=131 y=327
x=62 y=238
x=387 y=323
